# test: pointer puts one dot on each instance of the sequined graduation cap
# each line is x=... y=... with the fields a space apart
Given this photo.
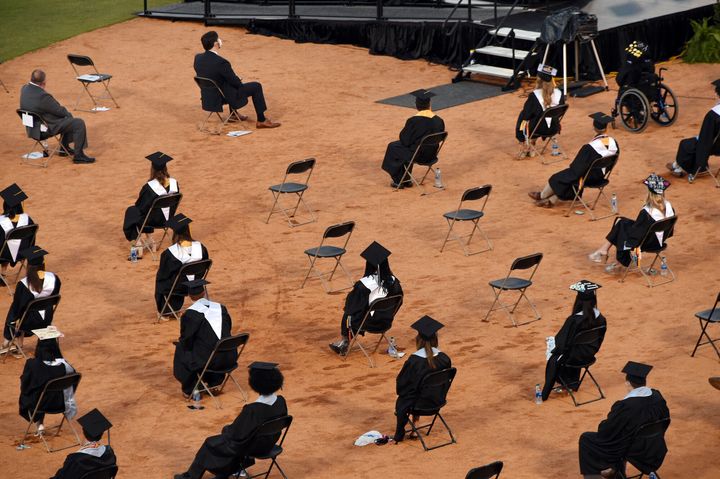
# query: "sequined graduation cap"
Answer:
x=585 y=289
x=656 y=184
x=94 y=424
x=601 y=120
x=546 y=72
x=637 y=49
x=427 y=327
x=196 y=286
x=636 y=372
x=159 y=159
x=375 y=254
x=13 y=195
x=34 y=255
x=423 y=94
x=179 y=223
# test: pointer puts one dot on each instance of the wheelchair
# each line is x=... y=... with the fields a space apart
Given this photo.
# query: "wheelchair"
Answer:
x=650 y=99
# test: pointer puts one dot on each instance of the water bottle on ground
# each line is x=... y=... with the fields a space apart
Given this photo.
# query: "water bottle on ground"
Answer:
x=663 y=266
x=392 y=347
x=438 y=179
x=538 y=394
x=196 y=401
x=614 y=204
x=555 y=148
x=652 y=475
x=133 y=255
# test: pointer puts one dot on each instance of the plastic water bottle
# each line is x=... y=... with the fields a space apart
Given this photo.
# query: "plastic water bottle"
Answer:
x=392 y=347
x=663 y=266
x=555 y=148
x=133 y=255
x=538 y=394
x=614 y=204
x=438 y=179
x=196 y=400
x=652 y=475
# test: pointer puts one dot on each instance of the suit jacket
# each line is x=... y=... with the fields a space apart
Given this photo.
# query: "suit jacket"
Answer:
x=213 y=66
x=37 y=100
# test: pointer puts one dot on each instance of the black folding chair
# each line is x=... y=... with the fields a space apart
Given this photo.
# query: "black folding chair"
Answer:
x=271 y=428
x=706 y=170
x=426 y=154
x=54 y=387
x=462 y=214
x=199 y=269
x=552 y=113
x=20 y=233
x=666 y=227
x=383 y=307
x=604 y=166
x=520 y=285
x=107 y=472
x=435 y=384
x=171 y=202
x=590 y=338
x=649 y=431
x=231 y=343
x=38 y=131
x=91 y=76
x=330 y=251
x=297 y=188
x=46 y=304
x=707 y=317
x=488 y=471
x=208 y=89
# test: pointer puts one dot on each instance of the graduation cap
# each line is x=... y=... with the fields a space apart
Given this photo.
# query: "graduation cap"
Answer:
x=179 y=223
x=13 y=195
x=585 y=289
x=427 y=327
x=159 y=159
x=636 y=372
x=546 y=72
x=656 y=184
x=601 y=120
x=423 y=94
x=637 y=49
x=375 y=254
x=196 y=286
x=94 y=424
x=34 y=255
x=262 y=366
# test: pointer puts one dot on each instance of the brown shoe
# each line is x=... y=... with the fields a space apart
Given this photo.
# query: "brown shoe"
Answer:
x=268 y=123
x=535 y=195
x=544 y=204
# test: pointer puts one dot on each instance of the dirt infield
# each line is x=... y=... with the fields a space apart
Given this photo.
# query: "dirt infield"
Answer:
x=324 y=95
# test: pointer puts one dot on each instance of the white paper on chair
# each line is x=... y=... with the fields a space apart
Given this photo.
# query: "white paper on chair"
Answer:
x=237 y=133
x=35 y=155
x=88 y=77
x=47 y=333
x=550 y=345
x=28 y=120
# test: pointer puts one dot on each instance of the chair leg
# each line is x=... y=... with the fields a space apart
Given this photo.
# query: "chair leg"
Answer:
x=492 y=307
x=312 y=260
x=106 y=84
x=703 y=332
x=272 y=210
x=451 y=223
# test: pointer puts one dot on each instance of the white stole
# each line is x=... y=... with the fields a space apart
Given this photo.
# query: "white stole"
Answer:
x=716 y=109
x=93 y=450
x=212 y=313
x=48 y=287
x=161 y=191
x=602 y=150
x=7 y=226
x=423 y=354
x=554 y=101
x=657 y=215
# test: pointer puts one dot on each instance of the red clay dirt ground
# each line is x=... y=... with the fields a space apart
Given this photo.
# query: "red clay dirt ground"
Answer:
x=325 y=95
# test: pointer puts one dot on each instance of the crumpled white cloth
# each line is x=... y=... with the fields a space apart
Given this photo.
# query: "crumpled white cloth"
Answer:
x=368 y=438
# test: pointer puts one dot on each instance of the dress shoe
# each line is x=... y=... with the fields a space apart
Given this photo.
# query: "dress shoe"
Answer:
x=408 y=184
x=236 y=118
x=670 y=166
x=340 y=347
x=535 y=195
x=608 y=473
x=83 y=159
x=544 y=204
x=678 y=173
x=268 y=123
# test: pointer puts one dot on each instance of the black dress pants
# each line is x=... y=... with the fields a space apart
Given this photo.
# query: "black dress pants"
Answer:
x=253 y=90
x=75 y=132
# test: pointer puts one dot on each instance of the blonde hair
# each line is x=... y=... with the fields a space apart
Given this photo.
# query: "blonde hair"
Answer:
x=655 y=200
x=547 y=88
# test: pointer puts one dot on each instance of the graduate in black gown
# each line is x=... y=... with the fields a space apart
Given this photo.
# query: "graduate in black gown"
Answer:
x=601 y=452
x=183 y=250
x=638 y=71
x=428 y=358
x=560 y=185
x=159 y=184
x=202 y=325
x=37 y=284
x=229 y=452
x=13 y=216
x=693 y=153
x=545 y=95
x=627 y=234
x=377 y=282
x=585 y=315
x=92 y=455
x=399 y=153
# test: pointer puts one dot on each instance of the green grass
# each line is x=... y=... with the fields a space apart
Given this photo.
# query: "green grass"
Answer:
x=26 y=25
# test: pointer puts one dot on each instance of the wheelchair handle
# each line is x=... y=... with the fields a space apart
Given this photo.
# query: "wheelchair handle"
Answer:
x=660 y=72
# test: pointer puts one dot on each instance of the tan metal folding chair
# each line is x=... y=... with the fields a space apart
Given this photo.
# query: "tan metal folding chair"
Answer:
x=552 y=113
x=21 y=233
x=87 y=74
x=298 y=188
x=267 y=431
x=426 y=154
x=707 y=317
x=330 y=251
x=605 y=167
x=463 y=214
x=170 y=201
x=231 y=343
x=209 y=87
x=38 y=131
x=665 y=226
x=706 y=170
x=510 y=283
x=198 y=270
x=436 y=385
x=46 y=304
x=386 y=308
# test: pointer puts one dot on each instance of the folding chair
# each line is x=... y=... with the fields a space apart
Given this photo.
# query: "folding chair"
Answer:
x=198 y=269
x=330 y=251
x=552 y=113
x=510 y=283
x=461 y=214
x=706 y=171
x=706 y=317
x=91 y=77
x=651 y=430
x=21 y=233
x=664 y=226
x=384 y=308
x=231 y=343
x=171 y=202
x=488 y=471
x=605 y=167
x=54 y=387
x=107 y=472
x=426 y=154
x=38 y=131
x=208 y=89
x=591 y=338
x=48 y=303
x=432 y=382
x=286 y=187
x=272 y=428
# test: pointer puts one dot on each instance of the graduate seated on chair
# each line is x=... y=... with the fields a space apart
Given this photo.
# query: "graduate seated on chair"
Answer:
x=602 y=452
x=183 y=250
x=638 y=71
x=92 y=455
x=13 y=216
x=377 y=282
x=544 y=96
x=626 y=234
x=560 y=185
x=202 y=325
x=584 y=316
x=231 y=450
x=693 y=153
x=159 y=184
x=399 y=153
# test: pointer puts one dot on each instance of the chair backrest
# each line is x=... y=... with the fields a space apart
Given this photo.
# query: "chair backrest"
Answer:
x=107 y=472
x=664 y=226
x=589 y=336
x=584 y=347
x=199 y=269
x=436 y=385
x=604 y=165
x=338 y=230
x=381 y=313
x=203 y=82
x=488 y=471
x=712 y=311
x=212 y=97
x=232 y=343
x=555 y=112
x=34 y=131
x=22 y=232
x=525 y=262
x=652 y=429
x=429 y=148
x=476 y=193
x=171 y=201
x=80 y=60
x=272 y=428
x=43 y=304
x=301 y=166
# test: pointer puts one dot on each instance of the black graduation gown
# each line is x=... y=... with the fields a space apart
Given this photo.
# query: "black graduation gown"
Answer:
x=21 y=299
x=693 y=153
x=627 y=233
x=357 y=302
x=400 y=152
x=562 y=182
x=168 y=269
x=196 y=344
x=225 y=453
x=531 y=112
x=79 y=463
x=635 y=73
x=6 y=257
x=135 y=215
x=604 y=448
x=34 y=377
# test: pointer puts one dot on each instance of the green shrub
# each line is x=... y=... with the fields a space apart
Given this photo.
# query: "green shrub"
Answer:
x=704 y=46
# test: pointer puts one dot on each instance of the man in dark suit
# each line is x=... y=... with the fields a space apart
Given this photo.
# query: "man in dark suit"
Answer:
x=211 y=65
x=34 y=98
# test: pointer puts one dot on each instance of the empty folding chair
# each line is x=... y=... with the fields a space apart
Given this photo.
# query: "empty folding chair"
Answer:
x=298 y=188
x=707 y=317
x=429 y=387
x=212 y=100
x=53 y=387
x=108 y=472
x=462 y=214
x=549 y=115
x=588 y=340
x=510 y=283
x=231 y=343
x=600 y=167
x=38 y=131
x=426 y=154
x=666 y=227
x=488 y=471
x=325 y=251
x=194 y=269
x=266 y=431
x=46 y=306
x=644 y=433
x=91 y=76
x=20 y=233
x=167 y=204
x=378 y=320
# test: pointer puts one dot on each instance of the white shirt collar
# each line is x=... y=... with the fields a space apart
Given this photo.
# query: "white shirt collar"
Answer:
x=641 y=392
x=269 y=400
x=421 y=353
x=34 y=84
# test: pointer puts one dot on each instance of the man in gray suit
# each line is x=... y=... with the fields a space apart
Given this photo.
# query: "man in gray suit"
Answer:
x=34 y=98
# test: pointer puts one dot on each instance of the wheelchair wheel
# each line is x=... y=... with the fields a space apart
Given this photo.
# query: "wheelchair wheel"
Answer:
x=665 y=107
x=634 y=110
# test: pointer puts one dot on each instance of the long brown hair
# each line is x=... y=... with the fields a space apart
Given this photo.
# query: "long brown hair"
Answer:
x=547 y=88
x=34 y=280
x=183 y=235
x=655 y=200
x=427 y=345
x=160 y=174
